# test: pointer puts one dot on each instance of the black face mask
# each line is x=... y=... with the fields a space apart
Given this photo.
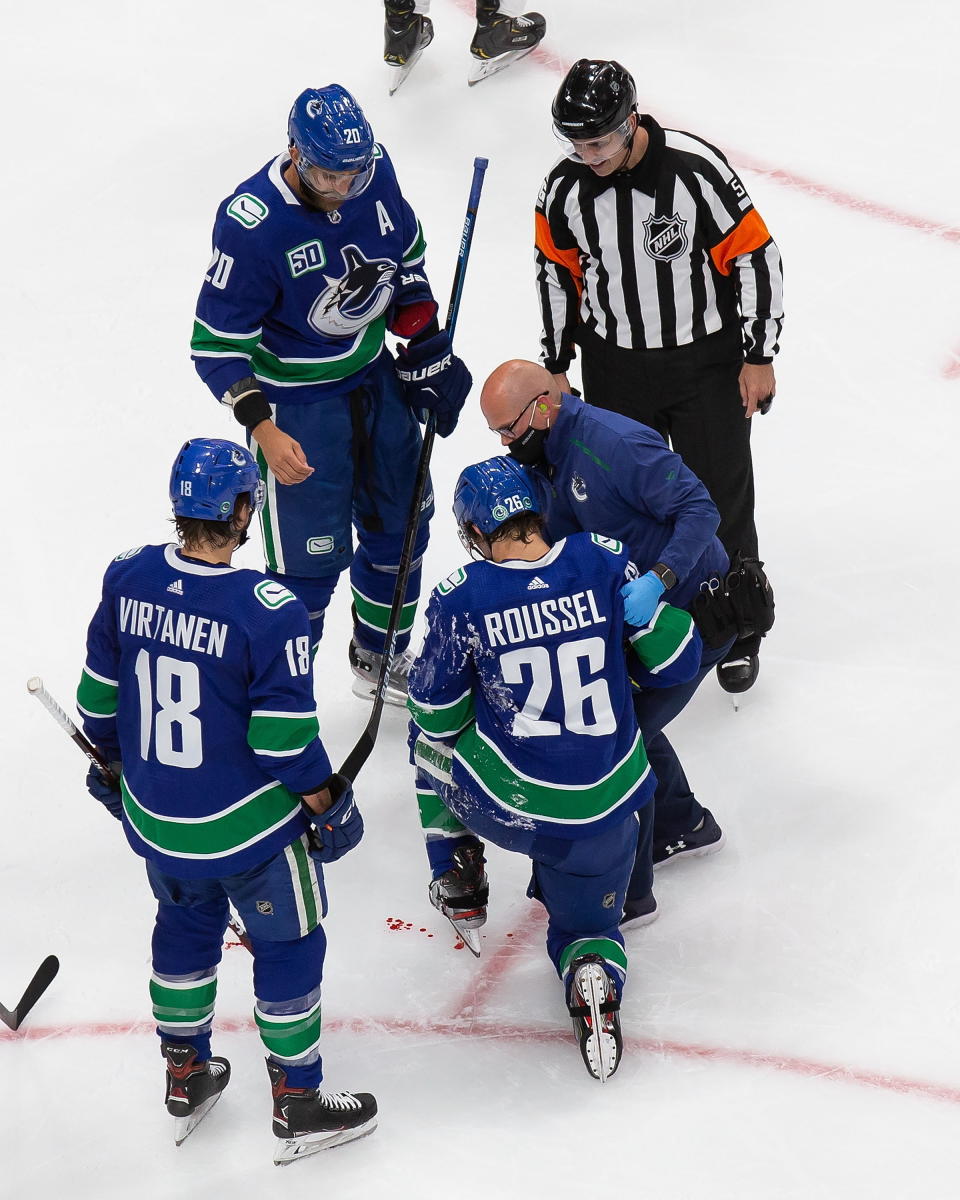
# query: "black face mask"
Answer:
x=528 y=448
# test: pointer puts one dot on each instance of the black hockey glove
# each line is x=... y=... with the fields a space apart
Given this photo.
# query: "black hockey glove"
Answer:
x=434 y=379
x=340 y=828
x=107 y=793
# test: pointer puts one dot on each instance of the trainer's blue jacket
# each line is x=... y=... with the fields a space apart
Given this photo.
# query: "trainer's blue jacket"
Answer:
x=609 y=474
x=300 y=298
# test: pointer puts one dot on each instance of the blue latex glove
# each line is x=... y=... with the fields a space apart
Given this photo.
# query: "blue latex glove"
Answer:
x=434 y=379
x=641 y=597
x=340 y=828
x=107 y=793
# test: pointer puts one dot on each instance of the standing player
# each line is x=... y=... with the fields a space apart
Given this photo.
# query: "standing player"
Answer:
x=525 y=735
x=315 y=258
x=498 y=41
x=652 y=259
x=198 y=679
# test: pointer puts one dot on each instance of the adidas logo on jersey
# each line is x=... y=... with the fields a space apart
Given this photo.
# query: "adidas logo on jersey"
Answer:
x=176 y=587
x=536 y=582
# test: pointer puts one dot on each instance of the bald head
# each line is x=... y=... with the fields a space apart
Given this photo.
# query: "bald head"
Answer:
x=512 y=388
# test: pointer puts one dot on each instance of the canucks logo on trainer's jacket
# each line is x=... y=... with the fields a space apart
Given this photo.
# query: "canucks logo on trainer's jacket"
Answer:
x=360 y=295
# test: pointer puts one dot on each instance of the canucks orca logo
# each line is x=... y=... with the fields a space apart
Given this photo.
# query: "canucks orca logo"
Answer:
x=579 y=488
x=359 y=296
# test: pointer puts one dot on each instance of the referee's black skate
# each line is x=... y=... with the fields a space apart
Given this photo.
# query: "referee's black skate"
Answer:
x=192 y=1088
x=500 y=40
x=306 y=1120
x=406 y=34
x=461 y=894
x=593 y=1003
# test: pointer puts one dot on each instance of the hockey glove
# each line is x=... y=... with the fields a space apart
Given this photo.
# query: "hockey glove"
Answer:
x=641 y=597
x=340 y=828
x=434 y=379
x=107 y=793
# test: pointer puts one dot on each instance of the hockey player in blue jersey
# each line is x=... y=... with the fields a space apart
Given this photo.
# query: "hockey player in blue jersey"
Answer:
x=524 y=734
x=315 y=258
x=198 y=687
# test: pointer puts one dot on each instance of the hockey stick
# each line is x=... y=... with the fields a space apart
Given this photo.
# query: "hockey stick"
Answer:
x=44 y=976
x=362 y=750
x=35 y=688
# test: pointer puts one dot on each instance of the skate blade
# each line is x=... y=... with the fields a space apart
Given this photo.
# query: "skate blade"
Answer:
x=600 y=1048
x=184 y=1126
x=398 y=74
x=483 y=68
x=364 y=689
x=293 y=1149
x=468 y=934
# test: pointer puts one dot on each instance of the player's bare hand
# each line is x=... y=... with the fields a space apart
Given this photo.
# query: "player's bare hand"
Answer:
x=757 y=384
x=284 y=455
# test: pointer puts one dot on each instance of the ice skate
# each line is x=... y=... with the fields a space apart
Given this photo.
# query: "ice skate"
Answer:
x=192 y=1088
x=500 y=40
x=637 y=913
x=365 y=665
x=461 y=895
x=306 y=1120
x=595 y=1009
x=406 y=35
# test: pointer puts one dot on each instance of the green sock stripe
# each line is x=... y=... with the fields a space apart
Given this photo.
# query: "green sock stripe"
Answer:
x=609 y=950
x=286 y=1039
x=190 y=1006
x=435 y=816
x=377 y=615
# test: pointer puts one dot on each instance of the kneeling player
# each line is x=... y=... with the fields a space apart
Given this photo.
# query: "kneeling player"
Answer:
x=524 y=734
x=198 y=677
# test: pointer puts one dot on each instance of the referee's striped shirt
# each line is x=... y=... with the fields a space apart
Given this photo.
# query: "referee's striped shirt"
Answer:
x=655 y=257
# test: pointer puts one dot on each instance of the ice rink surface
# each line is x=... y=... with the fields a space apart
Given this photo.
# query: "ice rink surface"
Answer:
x=792 y=1021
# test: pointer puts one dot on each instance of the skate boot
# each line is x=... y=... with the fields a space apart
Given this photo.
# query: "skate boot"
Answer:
x=406 y=34
x=639 y=912
x=707 y=838
x=500 y=40
x=592 y=1002
x=306 y=1120
x=461 y=895
x=192 y=1088
x=365 y=665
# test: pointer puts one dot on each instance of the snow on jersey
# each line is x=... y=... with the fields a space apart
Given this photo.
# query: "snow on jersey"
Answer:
x=524 y=665
x=199 y=678
x=298 y=297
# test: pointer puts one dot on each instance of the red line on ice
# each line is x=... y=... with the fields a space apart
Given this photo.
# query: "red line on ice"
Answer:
x=499 y=1031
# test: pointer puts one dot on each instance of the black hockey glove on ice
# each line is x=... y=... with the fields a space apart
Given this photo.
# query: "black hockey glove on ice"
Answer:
x=107 y=793
x=340 y=828
x=434 y=379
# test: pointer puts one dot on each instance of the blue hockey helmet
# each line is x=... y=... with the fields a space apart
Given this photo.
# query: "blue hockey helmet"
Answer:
x=207 y=477
x=332 y=136
x=491 y=492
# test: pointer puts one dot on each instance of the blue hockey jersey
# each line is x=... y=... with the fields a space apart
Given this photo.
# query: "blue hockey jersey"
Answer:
x=298 y=297
x=523 y=665
x=199 y=678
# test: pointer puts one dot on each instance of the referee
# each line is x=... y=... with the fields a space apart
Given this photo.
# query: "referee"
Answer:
x=652 y=259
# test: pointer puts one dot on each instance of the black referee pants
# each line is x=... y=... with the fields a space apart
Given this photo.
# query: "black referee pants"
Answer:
x=691 y=396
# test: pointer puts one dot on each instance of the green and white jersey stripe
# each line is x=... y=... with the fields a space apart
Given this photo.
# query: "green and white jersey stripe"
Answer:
x=417 y=248
x=183 y=1004
x=281 y=734
x=207 y=839
x=444 y=720
x=664 y=639
x=97 y=696
x=208 y=342
x=290 y=1038
x=560 y=804
x=376 y=615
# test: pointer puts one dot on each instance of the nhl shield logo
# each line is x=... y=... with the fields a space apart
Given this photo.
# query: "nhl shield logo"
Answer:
x=265 y=908
x=665 y=237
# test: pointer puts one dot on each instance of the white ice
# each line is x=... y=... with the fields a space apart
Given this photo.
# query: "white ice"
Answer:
x=792 y=1020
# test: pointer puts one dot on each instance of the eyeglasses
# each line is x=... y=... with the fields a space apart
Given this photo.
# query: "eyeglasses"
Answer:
x=510 y=431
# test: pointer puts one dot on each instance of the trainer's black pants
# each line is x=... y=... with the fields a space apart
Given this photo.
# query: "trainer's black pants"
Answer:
x=691 y=396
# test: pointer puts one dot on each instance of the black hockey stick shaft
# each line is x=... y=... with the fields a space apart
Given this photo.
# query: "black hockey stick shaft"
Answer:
x=44 y=976
x=364 y=747
x=35 y=688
